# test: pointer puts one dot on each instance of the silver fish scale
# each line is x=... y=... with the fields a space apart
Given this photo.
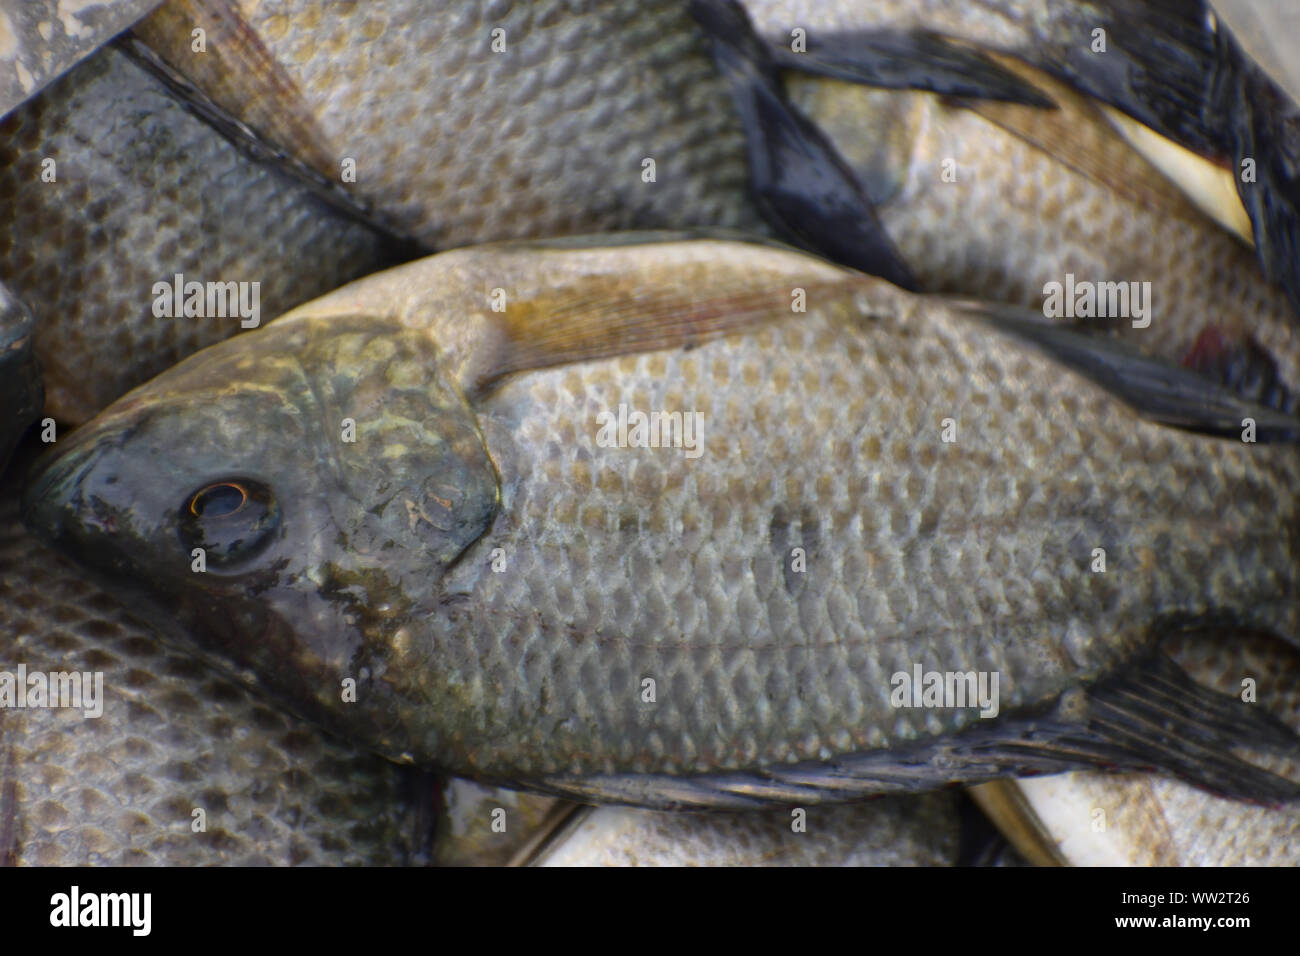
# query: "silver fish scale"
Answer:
x=628 y=563
x=581 y=95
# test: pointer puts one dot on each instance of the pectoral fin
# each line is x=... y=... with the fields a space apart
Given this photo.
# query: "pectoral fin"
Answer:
x=624 y=303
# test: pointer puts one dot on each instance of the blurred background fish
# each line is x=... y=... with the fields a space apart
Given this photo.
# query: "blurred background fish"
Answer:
x=111 y=188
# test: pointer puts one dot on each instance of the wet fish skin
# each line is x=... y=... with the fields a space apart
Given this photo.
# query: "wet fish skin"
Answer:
x=617 y=560
x=120 y=789
x=21 y=387
x=892 y=831
x=1084 y=203
x=546 y=138
x=1150 y=821
x=144 y=191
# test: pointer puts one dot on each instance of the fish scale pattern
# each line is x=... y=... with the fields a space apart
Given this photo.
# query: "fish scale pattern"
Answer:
x=628 y=563
x=144 y=191
x=616 y=83
x=918 y=831
x=1041 y=220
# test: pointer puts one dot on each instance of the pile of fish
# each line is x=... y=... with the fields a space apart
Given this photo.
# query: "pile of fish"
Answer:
x=682 y=432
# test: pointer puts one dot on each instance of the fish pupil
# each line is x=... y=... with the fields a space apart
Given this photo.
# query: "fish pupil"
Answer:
x=217 y=501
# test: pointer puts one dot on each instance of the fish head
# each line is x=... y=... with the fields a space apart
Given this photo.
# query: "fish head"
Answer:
x=289 y=497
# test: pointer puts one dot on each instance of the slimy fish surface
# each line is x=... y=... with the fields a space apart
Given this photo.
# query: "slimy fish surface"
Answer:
x=1021 y=203
x=404 y=488
x=489 y=119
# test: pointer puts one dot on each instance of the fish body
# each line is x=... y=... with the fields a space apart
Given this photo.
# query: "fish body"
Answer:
x=120 y=204
x=346 y=92
x=43 y=39
x=1173 y=68
x=978 y=209
x=402 y=486
x=485 y=120
x=180 y=767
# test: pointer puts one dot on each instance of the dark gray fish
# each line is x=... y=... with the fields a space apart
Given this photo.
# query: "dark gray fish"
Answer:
x=40 y=40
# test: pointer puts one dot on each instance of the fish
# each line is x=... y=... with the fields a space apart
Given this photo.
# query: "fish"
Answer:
x=348 y=95
x=1171 y=66
x=180 y=767
x=484 y=120
x=119 y=204
x=920 y=830
x=1011 y=202
x=1089 y=819
x=419 y=512
x=40 y=40
x=21 y=385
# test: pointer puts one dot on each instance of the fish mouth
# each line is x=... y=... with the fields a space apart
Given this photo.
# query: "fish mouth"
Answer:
x=53 y=500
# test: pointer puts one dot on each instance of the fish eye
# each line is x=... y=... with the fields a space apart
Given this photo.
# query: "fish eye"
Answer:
x=231 y=520
x=219 y=500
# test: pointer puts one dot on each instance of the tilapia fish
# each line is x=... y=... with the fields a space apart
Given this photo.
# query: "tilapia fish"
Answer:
x=21 y=389
x=427 y=510
x=1093 y=819
x=1007 y=201
x=1170 y=65
x=169 y=739
x=119 y=205
x=532 y=104
x=481 y=120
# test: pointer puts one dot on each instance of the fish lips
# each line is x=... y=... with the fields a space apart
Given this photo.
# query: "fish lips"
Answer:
x=73 y=501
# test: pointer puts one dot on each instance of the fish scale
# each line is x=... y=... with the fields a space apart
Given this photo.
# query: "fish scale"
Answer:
x=1062 y=222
